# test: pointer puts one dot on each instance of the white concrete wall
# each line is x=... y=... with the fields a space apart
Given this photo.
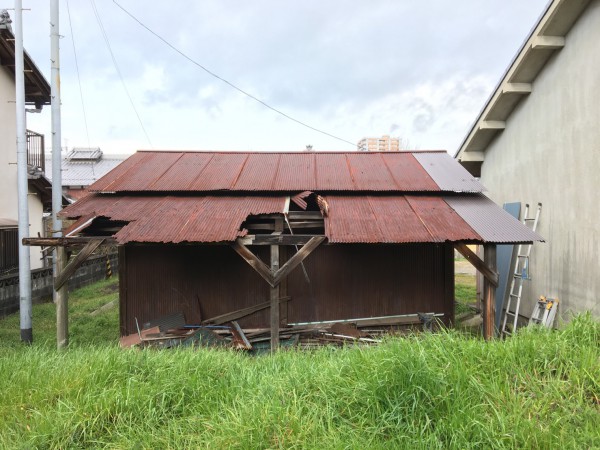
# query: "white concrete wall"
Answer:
x=550 y=153
x=8 y=168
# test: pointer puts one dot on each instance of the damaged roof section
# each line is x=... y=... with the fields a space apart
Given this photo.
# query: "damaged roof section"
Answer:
x=212 y=197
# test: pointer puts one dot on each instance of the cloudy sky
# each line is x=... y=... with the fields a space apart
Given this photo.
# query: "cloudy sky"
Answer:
x=420 y=70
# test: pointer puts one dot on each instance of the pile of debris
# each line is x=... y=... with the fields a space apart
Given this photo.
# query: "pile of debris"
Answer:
x=172 y=331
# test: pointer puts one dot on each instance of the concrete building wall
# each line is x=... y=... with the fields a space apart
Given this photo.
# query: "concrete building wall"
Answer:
x=8 y=147
x=549 y=152
x=8 y=168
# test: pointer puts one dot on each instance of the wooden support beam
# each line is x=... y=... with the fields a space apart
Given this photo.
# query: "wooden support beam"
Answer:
x=70 y=269
x=490 y=274
x=275 y=289
x=297 y=258
x=489 y=293
x=66 y=241
x=261 y=268
x=278 y=239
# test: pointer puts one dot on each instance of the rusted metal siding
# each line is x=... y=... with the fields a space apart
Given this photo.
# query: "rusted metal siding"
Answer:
x=287 y=172
x=201 y=281
x=347 y=281
x=9 y=248
x=352 y=281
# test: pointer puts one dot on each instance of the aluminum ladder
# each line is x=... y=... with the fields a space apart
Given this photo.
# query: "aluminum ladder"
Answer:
x=544 y=312
x=520 y=273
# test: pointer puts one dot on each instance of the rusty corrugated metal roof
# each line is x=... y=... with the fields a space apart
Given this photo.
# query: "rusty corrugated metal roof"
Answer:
x=394 y=219
x=288 y=172
x=352 y=218
x=490 y=221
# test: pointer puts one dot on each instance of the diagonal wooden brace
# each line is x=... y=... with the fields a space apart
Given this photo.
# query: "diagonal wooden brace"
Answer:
x=489 y=274
x=264 y=271
x=79 y=259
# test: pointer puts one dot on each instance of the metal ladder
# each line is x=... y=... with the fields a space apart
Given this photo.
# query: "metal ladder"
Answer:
x=520 y=273
x=544 y=312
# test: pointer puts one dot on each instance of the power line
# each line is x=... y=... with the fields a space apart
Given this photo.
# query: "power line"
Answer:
x=101 y=25
x=287 y=116
x=87 y=132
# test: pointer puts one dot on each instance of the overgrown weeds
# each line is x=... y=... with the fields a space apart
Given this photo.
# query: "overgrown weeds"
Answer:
x=539 y=389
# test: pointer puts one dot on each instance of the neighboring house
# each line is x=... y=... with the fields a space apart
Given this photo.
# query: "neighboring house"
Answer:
x=537 y=140
x=82 y=167
x=37 y=94
x=378 y=231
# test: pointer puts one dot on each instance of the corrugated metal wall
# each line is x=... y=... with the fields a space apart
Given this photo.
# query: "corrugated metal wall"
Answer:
x=9 y=249
x=347 y=281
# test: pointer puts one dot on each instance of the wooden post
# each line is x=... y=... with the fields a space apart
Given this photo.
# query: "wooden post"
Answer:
x=275 y=291
x=489 y=293
x=62 y=303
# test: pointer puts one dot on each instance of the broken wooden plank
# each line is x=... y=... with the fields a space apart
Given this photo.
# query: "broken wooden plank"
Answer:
x=240 y=313
x=239 y=338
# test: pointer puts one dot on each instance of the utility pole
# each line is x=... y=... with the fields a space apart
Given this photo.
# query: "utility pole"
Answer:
x=22 y=184
x=60 y=295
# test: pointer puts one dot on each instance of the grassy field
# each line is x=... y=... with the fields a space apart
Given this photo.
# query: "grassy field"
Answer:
x=540 y=389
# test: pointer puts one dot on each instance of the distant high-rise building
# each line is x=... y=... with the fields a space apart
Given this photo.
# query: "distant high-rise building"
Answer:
x=383 y=144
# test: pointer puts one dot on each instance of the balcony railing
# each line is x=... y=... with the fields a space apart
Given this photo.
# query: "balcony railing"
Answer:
x=35 y=150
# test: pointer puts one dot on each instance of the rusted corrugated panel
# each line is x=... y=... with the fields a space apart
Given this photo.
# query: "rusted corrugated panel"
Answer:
x=351 y=219
x=221 y=173
x=394 y=219
x=441 y=221
x=408 y=173
x=193 y=219
x=202 y=281
x=259 y=172
x=490 y=221
x=447 y=173
x=296 y=172
x=104 y=184
x=333 y=173
x=353 y=281
x=397 y=221
x=347 y=281
x=182 y=175
x=370 y=172
x=351 y=171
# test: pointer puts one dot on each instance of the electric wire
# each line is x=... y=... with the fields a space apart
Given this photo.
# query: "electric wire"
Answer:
x=106 y=40
x=190 y=59
x=87 y=131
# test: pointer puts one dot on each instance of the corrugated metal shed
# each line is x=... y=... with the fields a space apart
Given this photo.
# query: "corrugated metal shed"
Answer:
x=288 y=172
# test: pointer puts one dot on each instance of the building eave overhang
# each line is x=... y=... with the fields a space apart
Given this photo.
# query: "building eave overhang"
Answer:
x=546 y=38
x=37 y=89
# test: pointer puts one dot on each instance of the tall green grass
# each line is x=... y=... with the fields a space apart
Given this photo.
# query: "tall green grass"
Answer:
x=539 y=389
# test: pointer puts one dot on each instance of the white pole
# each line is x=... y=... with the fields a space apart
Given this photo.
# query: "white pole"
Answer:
x=22 y=184
x=60 y=296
